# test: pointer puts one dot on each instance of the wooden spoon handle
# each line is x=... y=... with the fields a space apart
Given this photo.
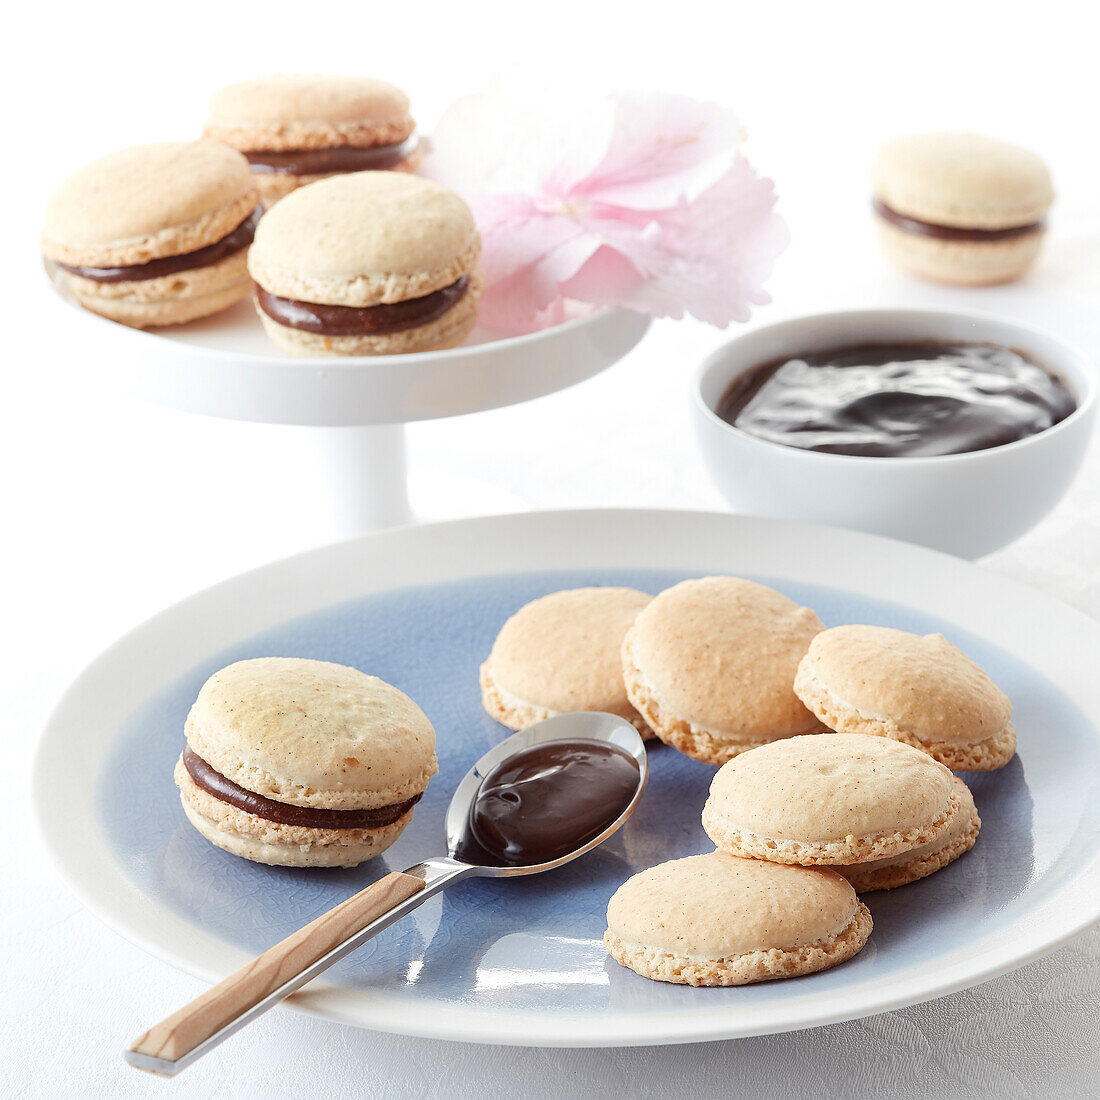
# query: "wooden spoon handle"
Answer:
x=163 y=1046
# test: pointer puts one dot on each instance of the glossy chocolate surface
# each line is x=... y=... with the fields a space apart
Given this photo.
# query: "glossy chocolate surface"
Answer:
x=338 y=158
x=361 y=321
x=549 y=800
x=950 y=232
x=282 y=813
x=898 y=400
x=239 y=239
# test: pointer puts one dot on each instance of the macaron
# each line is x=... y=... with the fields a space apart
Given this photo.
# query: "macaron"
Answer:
x=820 y=801
x=710 y=666
x=960 y=208
x=155 y=234
x=372 y=263
x=920 y=690
x=296 y=129
x=303 y=763
x=718 y=920
x=957 y=839
x=562 y=653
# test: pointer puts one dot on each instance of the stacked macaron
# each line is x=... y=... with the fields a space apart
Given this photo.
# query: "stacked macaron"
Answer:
x=372 y=263
x=839 y=801
x=960 y=208
x=296 y=129
x=303 y=763
x=156 y=234
x=799 y=826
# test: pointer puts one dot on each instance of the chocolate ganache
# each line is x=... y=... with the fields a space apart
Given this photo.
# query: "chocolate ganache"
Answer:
x=950 y=232
x=282 y=813
x=240 y=238
x=549 y=800
x=898 y=400
x=338 y=158
x=326 y=320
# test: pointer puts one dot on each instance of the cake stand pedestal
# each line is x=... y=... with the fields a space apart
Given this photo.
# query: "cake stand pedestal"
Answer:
x=349 y=413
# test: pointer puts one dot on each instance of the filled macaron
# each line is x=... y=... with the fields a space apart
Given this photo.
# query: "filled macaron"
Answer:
x=155 y=234
x=373 y=263
x=960 y=208
x=820 y=801
x=718 y=920
x=303 y=763
x=562 y=653
x=710 y=665
x=893 y=871
x=920 y=690
x=296 y=129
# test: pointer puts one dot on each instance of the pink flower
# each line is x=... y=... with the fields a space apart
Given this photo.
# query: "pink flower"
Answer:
x=642 y=200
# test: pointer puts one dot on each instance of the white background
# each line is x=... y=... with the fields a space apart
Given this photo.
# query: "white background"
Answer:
x=115 y=509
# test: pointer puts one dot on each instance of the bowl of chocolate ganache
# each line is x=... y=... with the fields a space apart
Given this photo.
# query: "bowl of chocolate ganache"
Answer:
x=954 y=430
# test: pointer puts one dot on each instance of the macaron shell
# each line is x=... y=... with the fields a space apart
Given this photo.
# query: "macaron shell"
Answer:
x=684 y=736
x=963 y=180
x=922 y=686
x=364 y=239
x=290 y=111
x=961 y=756
x=149 y=201
x=447 y=331
x=312 y=733
x=960 y=263
x=720 y=654
x=754 y=966
x=714 y=905
x=562 y=651
x=518 y=714
x=718 y=920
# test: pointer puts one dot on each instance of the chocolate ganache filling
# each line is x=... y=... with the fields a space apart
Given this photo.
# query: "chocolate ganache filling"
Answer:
x=240 y=238
x=361 y=320
x=951 y=232
x=282 y=813
x=914 y=399
x=338 y=158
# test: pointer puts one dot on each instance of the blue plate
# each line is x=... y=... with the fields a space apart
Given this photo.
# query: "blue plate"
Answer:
x=524 y=954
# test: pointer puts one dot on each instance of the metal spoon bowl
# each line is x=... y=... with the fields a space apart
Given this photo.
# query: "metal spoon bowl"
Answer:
x=212 y=1017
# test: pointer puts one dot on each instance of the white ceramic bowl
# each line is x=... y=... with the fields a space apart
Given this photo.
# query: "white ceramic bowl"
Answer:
x=967 y=504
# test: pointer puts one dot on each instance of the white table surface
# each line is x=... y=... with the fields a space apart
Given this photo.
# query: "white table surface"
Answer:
x=116 y=509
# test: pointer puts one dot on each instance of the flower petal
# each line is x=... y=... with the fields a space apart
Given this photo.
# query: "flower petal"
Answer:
x=708 y=258
x=495 y=144
x=516 y=235
x=666 y=149
x=516 y=302
x=641 y=200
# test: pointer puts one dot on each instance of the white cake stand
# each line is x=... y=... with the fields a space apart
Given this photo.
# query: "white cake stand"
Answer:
x=224 y=366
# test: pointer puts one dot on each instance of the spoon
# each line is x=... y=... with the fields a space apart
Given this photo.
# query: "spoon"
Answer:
x=488 y=852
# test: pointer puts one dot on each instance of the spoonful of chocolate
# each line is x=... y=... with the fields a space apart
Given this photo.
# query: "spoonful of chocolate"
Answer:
x=540 y=799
